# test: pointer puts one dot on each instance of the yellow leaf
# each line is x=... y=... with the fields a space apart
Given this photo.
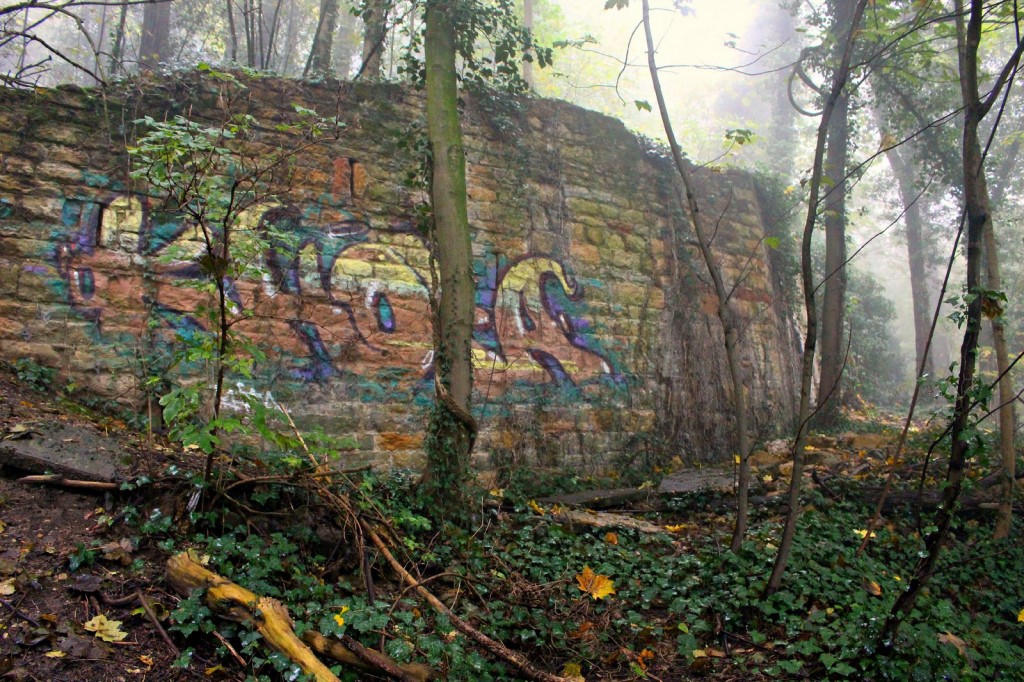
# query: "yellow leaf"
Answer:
x=597 y=586
x=532 y=504
x=948 y=638
x=107 y=630
x=676 y=529
x=339 y=617
x=1020 y=616
x=611 y=538
x=698 y=653
x=873 y=588
x=7 y=587
x=573 y=672
x=55 y=654
x=862 y=533
x=496 y=492
x=148 y=660
x=736 y=458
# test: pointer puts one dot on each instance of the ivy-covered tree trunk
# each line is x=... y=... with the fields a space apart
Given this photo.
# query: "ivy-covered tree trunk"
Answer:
x=452 y=429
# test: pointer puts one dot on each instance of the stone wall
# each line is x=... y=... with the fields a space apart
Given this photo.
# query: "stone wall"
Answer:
x=596 y=339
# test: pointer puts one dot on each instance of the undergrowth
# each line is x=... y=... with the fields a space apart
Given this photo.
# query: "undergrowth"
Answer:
x=682 y=605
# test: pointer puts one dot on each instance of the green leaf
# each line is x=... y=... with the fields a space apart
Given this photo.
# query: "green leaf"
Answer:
x=641 y=105
x=772 y=242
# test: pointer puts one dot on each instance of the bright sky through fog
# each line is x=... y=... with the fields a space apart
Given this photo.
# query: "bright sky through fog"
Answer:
x=698 y=39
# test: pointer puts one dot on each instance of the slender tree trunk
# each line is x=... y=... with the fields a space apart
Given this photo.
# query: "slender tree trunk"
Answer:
x=833 y=349
x=979 y=221
x=319 y=63
x=452 y=428
x=250 y=33
x=1007 y=452
x=289 y=41
x=117 y=49
x=839 y=78
x=154 y=46
x=275 y=25
x=726 y=312
x=528 y=77
x=1007 y=416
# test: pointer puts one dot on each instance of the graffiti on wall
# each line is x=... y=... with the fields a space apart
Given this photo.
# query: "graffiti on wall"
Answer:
x=336 y=296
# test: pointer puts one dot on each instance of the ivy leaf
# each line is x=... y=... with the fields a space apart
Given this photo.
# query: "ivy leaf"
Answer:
x=597 y=586
x=107 y=630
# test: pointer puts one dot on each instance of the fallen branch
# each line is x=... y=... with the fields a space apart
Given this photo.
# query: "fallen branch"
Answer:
x=270 y=618
x=496 y=649
x=57 y=479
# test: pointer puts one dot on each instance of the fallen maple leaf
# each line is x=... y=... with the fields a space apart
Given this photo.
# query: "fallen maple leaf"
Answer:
x=107 y=630
x=532 y=504
x=597 y=586
x=611 y=538
x=1020 y=616
x=676 y=529
x=873 y=588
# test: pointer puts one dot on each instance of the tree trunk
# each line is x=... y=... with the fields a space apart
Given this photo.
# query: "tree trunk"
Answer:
x=726 y=312
x=117 y=49
x=900 y=160
x=833 y=350
x=319 y=63
x=375 y=28
x=452 y=429
x=232 y=33
x=154 y=46
x=342 y=58
x=839 y=78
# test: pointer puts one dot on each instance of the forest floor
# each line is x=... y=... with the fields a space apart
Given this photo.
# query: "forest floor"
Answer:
x=645 y=589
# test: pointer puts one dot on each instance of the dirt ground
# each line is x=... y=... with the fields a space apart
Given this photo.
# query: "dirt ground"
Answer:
x=46 y=531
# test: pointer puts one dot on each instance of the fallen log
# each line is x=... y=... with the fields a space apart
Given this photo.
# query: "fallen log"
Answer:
x=601 y=520
x=270 y=618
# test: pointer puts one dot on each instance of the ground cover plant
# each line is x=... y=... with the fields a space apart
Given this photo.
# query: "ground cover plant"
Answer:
x=608 y=603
